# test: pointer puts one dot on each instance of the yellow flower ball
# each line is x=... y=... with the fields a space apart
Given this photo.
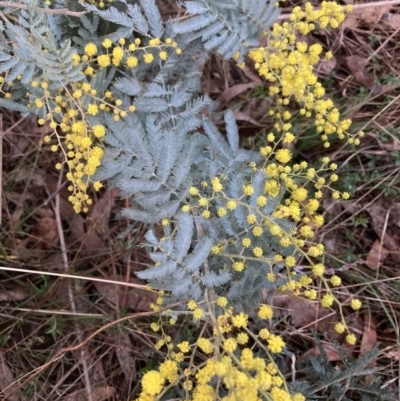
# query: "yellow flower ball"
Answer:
x=275 y=344
x=283 y=156
x=152 y=382
x=132 y=61
x=299 y=194
x=230 y=345
x=327 y=300
x=192 y=304
x=90 y=49
x=238 y=266
x=184 y=346
x=97 y=185
x=257 y=231
x=248 y=190
x=222 y=212
x=336 y=281
x=104 y=60
x=203 y=202
x=340 y=328
x=319 y=269
x=351 y=339
x=206 y=214
x=265 y=312
x=222 y=302
x=355 y=304
x=246 y=242
x=148 y=58
x=240 y=320
x=205 y=345
x=107 y=43
x=231 y=205
x=258 y=252
x=251 y=218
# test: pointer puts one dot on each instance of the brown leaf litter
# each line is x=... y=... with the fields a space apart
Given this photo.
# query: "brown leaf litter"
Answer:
x=385 y=220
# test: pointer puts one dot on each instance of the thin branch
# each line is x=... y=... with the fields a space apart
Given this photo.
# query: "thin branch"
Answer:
x=54 y=194
x=4 y=18
x=83 y=350
x=128 y=264
x=1 y=160
x=376 y=4
x=356 y=7
x=75 y=276
x=61 y=11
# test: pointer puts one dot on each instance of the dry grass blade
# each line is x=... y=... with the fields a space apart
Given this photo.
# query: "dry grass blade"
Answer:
x=1 y=164
x=357 y=7
x=98 y=394
x=83 y=351
x=60 y=11
x=100 y=280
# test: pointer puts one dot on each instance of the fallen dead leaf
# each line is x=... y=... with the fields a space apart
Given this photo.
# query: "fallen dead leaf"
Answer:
x=14 y=294
x=392 y=146
x=230 y=93
x=326 y=66
x=36 y=178
x=303 y=313
x=123 y=351
x=376 y=255
x=393 y=354
x=98 y=219
x=9 y=390
x=357 y=66
x=330 y=351
x=98 y=394
x=78 y=233
x=136 y=298
x=385 y=216
x=20 y=145
x=392 y=20
x=46 y=232
x=252 y=76
x=241 y=116
x=44 y=237
x=15 y=218
x=369 y=337
x=369 y=17
x=255 y=110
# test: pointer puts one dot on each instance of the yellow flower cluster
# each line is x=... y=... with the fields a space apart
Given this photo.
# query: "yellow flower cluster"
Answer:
x=98 y=3
x=288 y=64
x=78 y=139
x=70 y=110
x=244 y=373
x=301 y=207
x=211 y=200
x=123 y=53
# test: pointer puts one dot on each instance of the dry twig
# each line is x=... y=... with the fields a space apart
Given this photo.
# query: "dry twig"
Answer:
x=356 y=6
x=1 y=161
x=60 y=11
x=83 y=350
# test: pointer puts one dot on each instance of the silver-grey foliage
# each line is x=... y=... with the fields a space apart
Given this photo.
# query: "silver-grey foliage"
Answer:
x=170 y=143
